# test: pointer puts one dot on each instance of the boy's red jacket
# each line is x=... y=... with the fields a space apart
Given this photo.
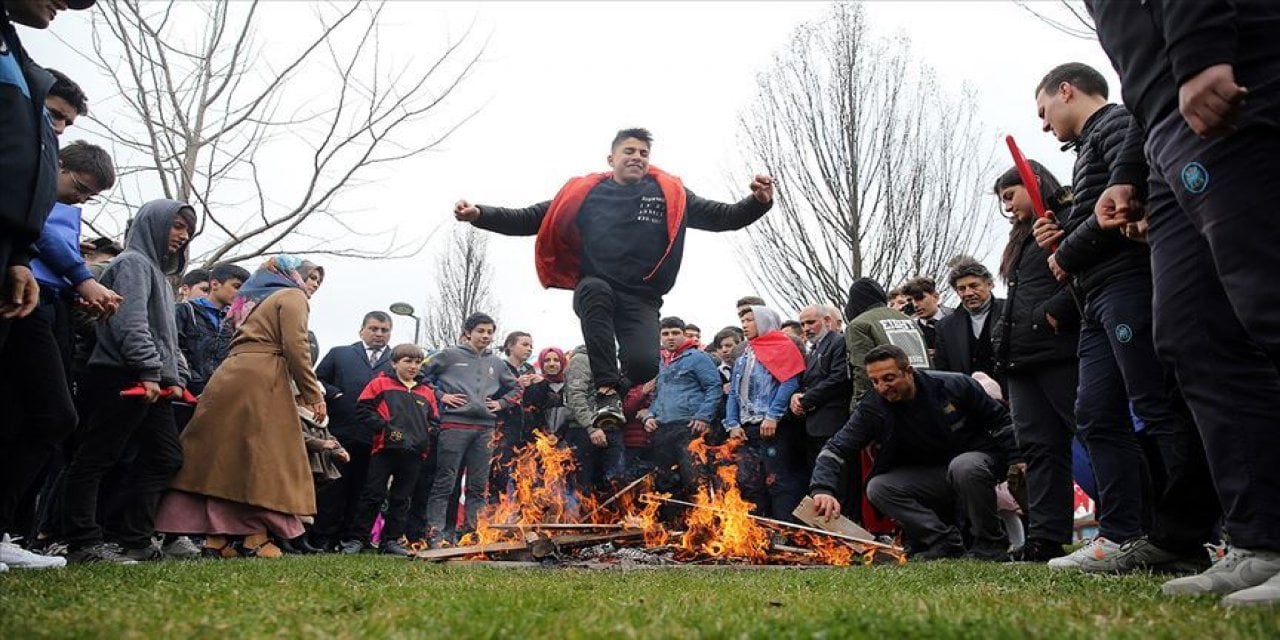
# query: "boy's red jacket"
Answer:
x=400 y=417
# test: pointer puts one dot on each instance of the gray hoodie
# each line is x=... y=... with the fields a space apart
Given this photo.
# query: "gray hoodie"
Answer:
x=142 y=336
x=478 y=376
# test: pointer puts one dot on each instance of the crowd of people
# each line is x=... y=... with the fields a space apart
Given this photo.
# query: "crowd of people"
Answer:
x=155 y=412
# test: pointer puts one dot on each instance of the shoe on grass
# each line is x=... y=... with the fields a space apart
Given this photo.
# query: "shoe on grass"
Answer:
x=1263 y=595
x=1037 y=550
x=1097 y=556
x=393 y=548
x=14 y=556
x=1140 y=554
x=149 y=553
x=940 y=551
x=101 y=553
x=1239 y=570
x=350 y=547
x=987 y=553
x=181 y=548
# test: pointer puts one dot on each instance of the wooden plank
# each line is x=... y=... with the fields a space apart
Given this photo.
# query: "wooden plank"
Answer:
x=808 y=514
x=777 y=523
x=475 y=549
x=620 y=493
x=546 y=526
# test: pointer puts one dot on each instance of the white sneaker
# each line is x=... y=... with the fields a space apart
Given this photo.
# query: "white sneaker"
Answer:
x=181 y=548
x=1238 y=570
x=1265 y=594
x=1098 y=555
x=18 y=558
x=3 y=567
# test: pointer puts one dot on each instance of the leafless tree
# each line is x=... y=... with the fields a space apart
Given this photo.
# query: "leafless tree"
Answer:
x=879 y=172
x=267 y=143
x=1068 y=16
x=465 y=279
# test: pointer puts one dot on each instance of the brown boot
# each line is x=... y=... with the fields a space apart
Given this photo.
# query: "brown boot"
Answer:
x=259 y=545
x=218 y=547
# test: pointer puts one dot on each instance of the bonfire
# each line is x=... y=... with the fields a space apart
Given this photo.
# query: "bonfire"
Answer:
x=542 y=517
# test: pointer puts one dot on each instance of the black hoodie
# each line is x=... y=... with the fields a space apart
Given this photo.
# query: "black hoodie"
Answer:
x=142 y=337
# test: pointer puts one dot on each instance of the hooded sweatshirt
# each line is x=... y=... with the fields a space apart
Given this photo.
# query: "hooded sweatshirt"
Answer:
x=478 y=376
x=142 y=336
x=765 y=375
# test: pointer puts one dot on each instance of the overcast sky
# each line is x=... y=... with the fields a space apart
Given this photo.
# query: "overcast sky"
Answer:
x=560 y=78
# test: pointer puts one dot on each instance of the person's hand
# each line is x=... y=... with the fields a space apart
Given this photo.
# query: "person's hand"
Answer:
x=342 y=455
x=796 y=407
x=152 y=390
x=826 y=506
x=1117 y=206
x=1053 y=322
x=1047 y=232
x=699 y=427
x=464 y=211
x=331 y=444
x=1210 y=101
x=101 y=300
x=768 y=428
x=1136 y=231
x=650 y=424
x=535 y=378
x=762 y=189
x=1058 y=272
x=319 y=411
x=24 y=293
x=649 y=386
x=173 y=393
x=1016 y=471
x=493 y=406
x=737 y=432
x=598 y=438
x=454 y=400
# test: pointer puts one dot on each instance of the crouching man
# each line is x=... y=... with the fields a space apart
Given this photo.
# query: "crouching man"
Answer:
x=944 y=443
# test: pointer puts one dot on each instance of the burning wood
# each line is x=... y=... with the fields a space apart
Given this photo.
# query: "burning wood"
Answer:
x=539 y=517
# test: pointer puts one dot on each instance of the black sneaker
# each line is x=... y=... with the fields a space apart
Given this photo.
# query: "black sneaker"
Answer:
x=351 y=547
x=608 y=411
x=149 y=553
x=1037 y=551
x=987 y=553
x=99 y=553
x=942 y=551
x=394 y=548
x=1140 y=554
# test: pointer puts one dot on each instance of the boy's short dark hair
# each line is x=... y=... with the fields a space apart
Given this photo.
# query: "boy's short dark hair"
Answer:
x=791 y=324
x=476 y=319
x=637 y=133
x=380 y=316
x=919 y=287
x=1078 y=75
x=672 y=322
x=512 y=339
x=750 y=301
x=195 y=276
x=893 y=293
x=67 y=89
x=888 y=352
x=226 y=272
x=407 y=350
x=726 y=332
x=693 y=327
x=82 y=157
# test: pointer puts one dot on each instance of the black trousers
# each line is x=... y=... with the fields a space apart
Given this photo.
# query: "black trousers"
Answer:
x=114 y=420
x=771 y=472
x=1214 y=257
x=1042 y=402
x=337 y=502
x=673 y=464
x=402 y=468
x=38 y=413
x=416 y=523
x=618 y=326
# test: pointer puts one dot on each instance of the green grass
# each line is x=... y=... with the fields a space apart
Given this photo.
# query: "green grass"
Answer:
x=370 y=596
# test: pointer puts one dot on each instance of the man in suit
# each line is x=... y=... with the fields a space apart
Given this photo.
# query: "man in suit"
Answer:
x=825 y=390
x=964 y=337
x=344 y=372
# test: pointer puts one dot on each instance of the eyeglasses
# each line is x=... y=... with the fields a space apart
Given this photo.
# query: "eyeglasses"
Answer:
x=88 y=195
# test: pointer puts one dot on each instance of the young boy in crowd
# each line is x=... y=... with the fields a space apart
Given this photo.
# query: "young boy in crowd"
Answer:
x=764 y=377
x=137 y=349
x=402 y=413
x=200 y=318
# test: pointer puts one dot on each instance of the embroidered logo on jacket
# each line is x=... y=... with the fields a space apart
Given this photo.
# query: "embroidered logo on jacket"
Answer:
x=1195 y=177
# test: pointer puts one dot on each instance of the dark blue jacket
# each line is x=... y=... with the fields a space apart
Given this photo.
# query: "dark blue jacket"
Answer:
x=60 y=266
x=28 y=147
x=689 y=388
x=345 y=372
x=973 y=420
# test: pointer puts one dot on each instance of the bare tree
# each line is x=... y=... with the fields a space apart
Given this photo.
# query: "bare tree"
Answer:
x=879 y=172
x=465 y=278
x=1068 y=16
x=205 y=114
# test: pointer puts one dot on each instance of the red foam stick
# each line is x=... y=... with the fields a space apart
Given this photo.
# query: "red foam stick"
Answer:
x=138 y=390
x=1029 y=179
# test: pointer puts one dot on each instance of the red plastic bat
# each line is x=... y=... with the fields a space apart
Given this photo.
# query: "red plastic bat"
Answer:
x=1029 y=179
x=138 y=390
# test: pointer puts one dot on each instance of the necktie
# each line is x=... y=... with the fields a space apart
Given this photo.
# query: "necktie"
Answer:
x=373 y=357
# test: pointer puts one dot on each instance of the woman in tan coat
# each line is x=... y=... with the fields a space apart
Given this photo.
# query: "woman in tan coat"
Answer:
x=246 y=475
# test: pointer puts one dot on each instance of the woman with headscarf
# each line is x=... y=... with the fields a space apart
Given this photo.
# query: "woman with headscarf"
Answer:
x=312 y=276
x=770 y=463
x=544 y=400
x=247 y=476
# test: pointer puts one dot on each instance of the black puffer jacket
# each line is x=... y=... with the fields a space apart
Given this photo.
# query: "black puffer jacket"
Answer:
x=1089 y=253
x=1022 y=338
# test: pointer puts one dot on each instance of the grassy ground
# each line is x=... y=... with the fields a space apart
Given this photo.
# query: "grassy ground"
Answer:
x=370 y=596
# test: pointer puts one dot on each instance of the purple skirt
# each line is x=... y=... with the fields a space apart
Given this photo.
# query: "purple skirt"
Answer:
x=190 y=513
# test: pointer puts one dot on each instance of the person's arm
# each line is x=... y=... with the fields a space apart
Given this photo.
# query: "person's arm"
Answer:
x=512 y=222
x=327 y=374
x=292 y=316
x=61 y=258
x=1089 y=244
x=709 y=379
x=709 y=215
x=577 y=391
x=130 y=326
x=509 y=390
x=833 y=384
x=1062 y=306
x=1199 y=35
x=781 y=398
x=994 y=417
x=367 y=406
x=942 y=359
x=857 y=342
x=732 y=410
x=845 y=445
